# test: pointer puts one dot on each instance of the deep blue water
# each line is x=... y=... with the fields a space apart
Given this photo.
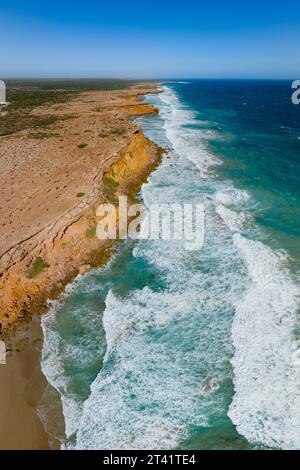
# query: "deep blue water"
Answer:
x=170 y=348
x=262 y=150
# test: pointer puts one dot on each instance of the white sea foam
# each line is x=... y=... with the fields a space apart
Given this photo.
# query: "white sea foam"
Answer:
x=166 y=351
x=139 y=416
x=53 y=367
x=188 y=142
x=157 y=365
x=229 y=195
x=266 y=404
x=150 y=389
x=234 y=220
x=59 y=349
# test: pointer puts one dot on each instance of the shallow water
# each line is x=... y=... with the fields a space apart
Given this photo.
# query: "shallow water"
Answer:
x=170 y=348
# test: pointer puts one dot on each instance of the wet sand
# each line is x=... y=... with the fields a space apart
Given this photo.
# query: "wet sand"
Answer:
x=22 y=385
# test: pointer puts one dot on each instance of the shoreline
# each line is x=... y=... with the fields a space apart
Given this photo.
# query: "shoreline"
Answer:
x=65 y=240
x=132 y=164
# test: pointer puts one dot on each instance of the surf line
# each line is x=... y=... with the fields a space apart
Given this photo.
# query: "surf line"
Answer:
x=114 y=460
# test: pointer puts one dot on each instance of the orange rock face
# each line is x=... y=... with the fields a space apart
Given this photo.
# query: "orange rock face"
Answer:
x=51 y=186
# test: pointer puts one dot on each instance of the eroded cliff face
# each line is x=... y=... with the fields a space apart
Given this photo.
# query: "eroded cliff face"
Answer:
x=39 y=266
x=138 y=156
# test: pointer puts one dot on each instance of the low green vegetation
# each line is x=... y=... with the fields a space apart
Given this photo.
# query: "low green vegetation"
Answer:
x=103 y=134
x=82 y=146
x=42 y=135
x=18 y=116
x=71 y=85
x=118 y=131
x=25 y=95
x=90 y=232
x=80 y=194
x=20 y=100
x=110 y=187
x=37 y=267
x=16 y=122
x=111 y=182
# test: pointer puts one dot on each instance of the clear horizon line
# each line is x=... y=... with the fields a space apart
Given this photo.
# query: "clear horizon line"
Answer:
x=139 y=78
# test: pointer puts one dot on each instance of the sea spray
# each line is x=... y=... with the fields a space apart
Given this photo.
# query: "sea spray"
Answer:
x=266 y=404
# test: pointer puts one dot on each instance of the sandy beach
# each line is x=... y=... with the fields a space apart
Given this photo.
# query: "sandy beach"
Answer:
x=52 y=181
x=20 y=426
x=22 y=384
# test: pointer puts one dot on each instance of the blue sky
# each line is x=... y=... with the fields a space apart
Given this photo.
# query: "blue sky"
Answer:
x=138 y=39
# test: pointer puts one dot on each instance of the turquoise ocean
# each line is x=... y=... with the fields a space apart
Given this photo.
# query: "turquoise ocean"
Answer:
x=166 y=348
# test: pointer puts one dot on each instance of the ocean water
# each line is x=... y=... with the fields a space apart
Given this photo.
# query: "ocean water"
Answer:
x=165 y=348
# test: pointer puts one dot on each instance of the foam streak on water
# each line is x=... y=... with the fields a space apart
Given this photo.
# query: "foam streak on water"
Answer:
x=167 y=352
x=154 y=365
x=266 y=404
